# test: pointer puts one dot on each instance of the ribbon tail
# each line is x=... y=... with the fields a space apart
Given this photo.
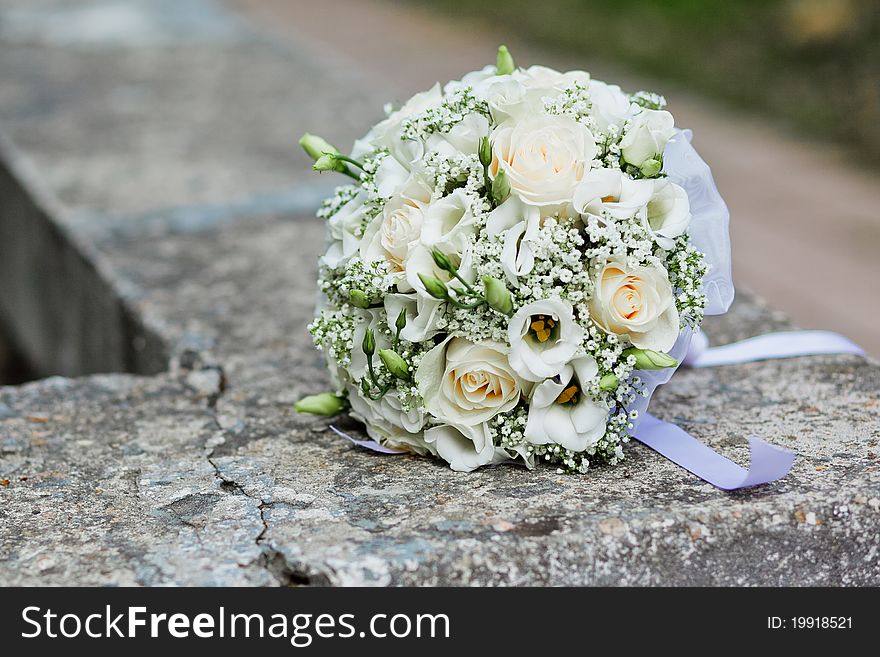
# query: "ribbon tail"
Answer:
x=768 y=463
x=785 y=344
x=366 y=444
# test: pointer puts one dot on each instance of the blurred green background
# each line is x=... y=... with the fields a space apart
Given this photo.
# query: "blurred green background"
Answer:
x=814 y=64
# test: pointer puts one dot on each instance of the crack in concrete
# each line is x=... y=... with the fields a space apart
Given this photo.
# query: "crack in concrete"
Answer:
x=271 y=559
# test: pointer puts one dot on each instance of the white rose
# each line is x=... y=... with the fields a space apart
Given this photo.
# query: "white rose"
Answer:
x=636 y=302
x=610 y=106
x=390 y=177
x=610 y=193
x=520 y=224
x=388 y=424
x=561 y=412
x=465 y=384
x=387 y=133
x=474 y=80
x=542 y=82
x=448 y=216
x=543 y=337
x=647 y=135
x=342 y=229
x=465 y=448
x=669 y=213
x=463 y=138
x=545 y=157
x=506 y=98
x=391 y=235
x=422 y=315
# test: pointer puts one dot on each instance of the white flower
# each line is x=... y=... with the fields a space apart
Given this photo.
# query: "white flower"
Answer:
x=647 y=136
x=541 y=82
x=560 y=411
x=387 y=133
x=545 y=157
x=369 y=318
x=669 y=213
x=420 y=261
x=466 y=384
x=520 y=224
x=422 y=315
x=474 y=80
x=610 y=106
x=342 y=231
x=506 y=98
x=611 y=192
x=390 y=177
x=543 y=337
x=465 y=448
x=391 y=235
x=445 y=218
x=463 y=138
x=636 y=302
x=387 y=424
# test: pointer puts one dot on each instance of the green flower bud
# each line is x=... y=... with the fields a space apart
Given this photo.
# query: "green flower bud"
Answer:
x=328 y=163
x=359 y=299
x=327 y=403
x=497 y=295
x=442 y=261
x=648 y=359
x=608 y=382
x=485 y=152
x=316 y=146
x=504 y=63
x=652 y=167
x=395 y=364
x=369 y=343
x=400 y=324
x=434 y=286
x=500 y=187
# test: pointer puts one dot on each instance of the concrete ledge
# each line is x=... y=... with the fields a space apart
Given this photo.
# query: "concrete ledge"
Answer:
x=182 y=254
x=58 y=301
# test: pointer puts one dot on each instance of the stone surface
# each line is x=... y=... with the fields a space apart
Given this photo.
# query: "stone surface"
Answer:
x=204 y=474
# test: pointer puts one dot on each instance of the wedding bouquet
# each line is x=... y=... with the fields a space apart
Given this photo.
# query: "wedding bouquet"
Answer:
x=521 y=257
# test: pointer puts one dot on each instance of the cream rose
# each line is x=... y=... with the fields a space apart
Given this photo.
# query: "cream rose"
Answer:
x=544 y=157
x=646 y=136
x=636 y=302
x=465 y=384
x=543 y=337
x=391 y=235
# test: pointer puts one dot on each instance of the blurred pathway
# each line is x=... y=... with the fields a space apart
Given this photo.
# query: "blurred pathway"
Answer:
x=805 y=221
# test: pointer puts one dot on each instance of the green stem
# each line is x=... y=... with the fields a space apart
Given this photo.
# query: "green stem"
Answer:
x=467 y=285
x=372 y=371
x=382 y=392
x=466 y=306
x=351 y=174
x=345 y=158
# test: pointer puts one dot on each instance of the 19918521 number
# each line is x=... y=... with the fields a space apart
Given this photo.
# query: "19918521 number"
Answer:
x=809 y=623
